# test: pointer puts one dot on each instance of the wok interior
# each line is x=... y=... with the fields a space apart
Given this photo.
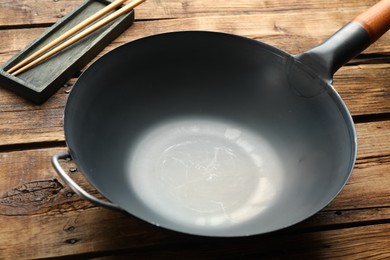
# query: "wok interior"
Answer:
x=205 y=133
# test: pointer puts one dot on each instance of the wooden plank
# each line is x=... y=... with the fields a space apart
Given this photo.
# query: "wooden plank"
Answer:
x=70 y=224
x=99 y=231
x=27 y=12
x=371 y=242
x=30 y=185
x=371 y=173
x=368 y=95
x=32 y=167
x=359 y=100
x=364 y=88
x=367 y=188
x=156 y=9
x=292 y=32
x=278 y=30
x=16 y=39
x=353 y=243
x=345 y=218
x=19 y=127
x=373 y=141
x=350 y=81
x=36 y=204
x=40 y=216
x=10 y=102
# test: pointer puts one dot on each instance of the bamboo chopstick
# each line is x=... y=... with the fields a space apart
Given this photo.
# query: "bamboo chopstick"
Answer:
x=127 y=8
x=69 y=33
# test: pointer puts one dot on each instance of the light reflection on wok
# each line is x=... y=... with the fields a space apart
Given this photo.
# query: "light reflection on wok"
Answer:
x=205 y=172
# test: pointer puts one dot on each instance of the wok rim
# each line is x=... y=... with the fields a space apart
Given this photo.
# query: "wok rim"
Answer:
x=333 y=94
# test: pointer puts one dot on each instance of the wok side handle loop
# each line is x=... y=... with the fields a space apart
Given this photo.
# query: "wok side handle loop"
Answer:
x=75 y=187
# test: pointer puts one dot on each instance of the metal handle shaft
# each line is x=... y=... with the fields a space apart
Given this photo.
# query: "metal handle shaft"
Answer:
x=74 y=186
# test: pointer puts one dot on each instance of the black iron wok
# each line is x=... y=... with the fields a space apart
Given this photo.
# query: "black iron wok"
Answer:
x=214 y=134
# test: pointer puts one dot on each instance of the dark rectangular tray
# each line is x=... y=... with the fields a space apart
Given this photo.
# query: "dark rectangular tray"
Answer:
x=40 y=82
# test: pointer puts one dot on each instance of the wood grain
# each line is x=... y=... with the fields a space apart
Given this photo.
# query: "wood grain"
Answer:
x=41 y=217
x=98 y=232
x=291 y=32
x=286 y=31
x=373 y=165
x=365 y=89
x=373 y=140
x=26 y=12
x=368 y=242
x=29 y=12
x=31 y=194
x=21 y=128
x=367 y=188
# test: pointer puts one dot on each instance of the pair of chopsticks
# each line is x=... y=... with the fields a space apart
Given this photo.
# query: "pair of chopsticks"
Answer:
x=35 y=58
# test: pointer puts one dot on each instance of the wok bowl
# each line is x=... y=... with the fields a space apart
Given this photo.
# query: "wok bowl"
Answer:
x=213 y=134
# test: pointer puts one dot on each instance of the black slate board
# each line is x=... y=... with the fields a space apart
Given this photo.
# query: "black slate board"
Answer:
x=42 y=81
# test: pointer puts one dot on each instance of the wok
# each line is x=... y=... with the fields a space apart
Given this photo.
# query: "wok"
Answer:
x=215 y=134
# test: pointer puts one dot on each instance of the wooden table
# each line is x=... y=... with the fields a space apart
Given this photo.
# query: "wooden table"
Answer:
x=41 y=217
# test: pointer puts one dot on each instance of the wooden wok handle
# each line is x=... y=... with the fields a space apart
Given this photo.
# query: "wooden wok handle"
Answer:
x=354 y=37
x=376 y=20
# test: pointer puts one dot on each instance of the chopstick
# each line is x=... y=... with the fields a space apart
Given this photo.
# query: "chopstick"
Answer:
x=69 y=33
x=24 y=65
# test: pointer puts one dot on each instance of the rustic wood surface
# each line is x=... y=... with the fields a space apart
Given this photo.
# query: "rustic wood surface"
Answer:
x=41 y=217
